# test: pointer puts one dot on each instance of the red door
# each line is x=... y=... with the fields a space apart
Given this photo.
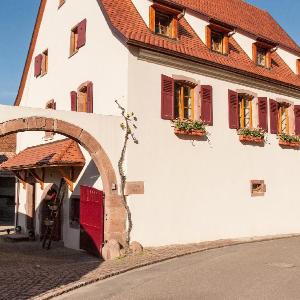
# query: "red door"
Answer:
x=91 y=220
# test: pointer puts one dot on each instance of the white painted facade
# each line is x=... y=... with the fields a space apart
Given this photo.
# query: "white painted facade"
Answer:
x=194 y=190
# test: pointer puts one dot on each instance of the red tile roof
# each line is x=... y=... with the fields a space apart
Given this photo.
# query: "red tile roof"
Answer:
x=60 y=153
x=128 y=23
x=243 y=15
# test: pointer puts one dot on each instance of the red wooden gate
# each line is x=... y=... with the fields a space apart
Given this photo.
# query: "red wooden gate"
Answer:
x=91 y=220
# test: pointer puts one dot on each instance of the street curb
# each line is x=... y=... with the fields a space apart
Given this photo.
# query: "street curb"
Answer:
x=214 y=245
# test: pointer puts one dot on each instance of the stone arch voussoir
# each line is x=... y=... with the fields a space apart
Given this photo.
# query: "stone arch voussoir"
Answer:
x=115 y=214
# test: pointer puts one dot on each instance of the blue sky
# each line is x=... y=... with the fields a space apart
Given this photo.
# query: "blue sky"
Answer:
x=17 y=19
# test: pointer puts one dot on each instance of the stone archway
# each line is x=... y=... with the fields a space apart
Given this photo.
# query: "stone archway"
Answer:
x=115 y=214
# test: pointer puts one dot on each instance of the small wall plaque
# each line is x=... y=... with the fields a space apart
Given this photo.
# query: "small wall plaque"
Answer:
x=134 y=188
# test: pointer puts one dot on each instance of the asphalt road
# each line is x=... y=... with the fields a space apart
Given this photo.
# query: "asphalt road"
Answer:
x=265 y=270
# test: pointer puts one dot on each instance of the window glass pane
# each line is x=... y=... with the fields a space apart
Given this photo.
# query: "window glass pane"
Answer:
x=162 y=24
x=217 y=41
x=261 y=57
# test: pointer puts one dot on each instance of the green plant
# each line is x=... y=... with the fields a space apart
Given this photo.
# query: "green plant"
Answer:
x=252 y=132
x=188 y=125
x=289 y=138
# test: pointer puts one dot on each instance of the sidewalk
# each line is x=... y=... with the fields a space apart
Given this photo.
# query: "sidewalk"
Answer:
x=29 y=272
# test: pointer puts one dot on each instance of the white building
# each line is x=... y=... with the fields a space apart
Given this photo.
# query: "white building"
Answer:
x=223 y=62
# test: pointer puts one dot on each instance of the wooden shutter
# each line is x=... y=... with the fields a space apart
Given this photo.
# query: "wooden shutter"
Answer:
x=263 y=113
x=254 y=53
x=233 y=109
x=273 y=116
x=90 y=97
x=167 y=98
x=297 y=119
x=38 y=65
x=207 y=104
x=298 y=66
x=208 y=37
x=268 y=59
x=73 y=101
x=226 y=44
x=81 y=34
x=174 y=28
x=152 y=18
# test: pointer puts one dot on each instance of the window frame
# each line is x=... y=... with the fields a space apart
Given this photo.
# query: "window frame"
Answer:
x=180 y=105
x=215 y=33
x=172 y=13
x=286 y=107
x=74 y=40
x=242 y=97
x=44 y=64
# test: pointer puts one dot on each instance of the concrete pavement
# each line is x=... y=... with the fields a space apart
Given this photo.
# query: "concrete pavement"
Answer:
x=264 y=270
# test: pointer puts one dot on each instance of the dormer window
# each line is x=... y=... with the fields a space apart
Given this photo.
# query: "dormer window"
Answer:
x=164 y=20
x=217 y=38
x=262 y=54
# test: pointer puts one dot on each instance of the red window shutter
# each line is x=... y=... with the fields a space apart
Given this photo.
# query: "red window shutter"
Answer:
x=263 y=113
x=90 y=97
x=73 y=101
x=38 y=65
x=167 y=98
x=81 y=34
x=297 y=119
x=207 y=104
x=233 y=109
x=273 y=116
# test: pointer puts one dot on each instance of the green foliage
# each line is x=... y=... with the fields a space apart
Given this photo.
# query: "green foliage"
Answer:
x=189 y=125
x=289 y=138
x=253 y=132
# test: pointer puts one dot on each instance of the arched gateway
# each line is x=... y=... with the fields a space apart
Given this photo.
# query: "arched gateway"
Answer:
x=115 y=214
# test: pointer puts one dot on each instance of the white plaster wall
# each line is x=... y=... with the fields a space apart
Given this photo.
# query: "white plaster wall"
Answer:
x=199 y=25
x=245 y=42
x=289 y=58
x=103 y=59
x=199 y=191
x=142 y=7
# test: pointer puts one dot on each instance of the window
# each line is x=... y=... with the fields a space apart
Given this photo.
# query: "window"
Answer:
x=82 y=100
x=217 y=41
x=262 y=55
x=184 y=101
x=50 y=105
x=164 y=20
x=74 y=212
x=163 y=24
x=258 y=188
x=44 y=67
x=61 y=3
x=41 y=64
x=245 y=111
x=184 y=98
x=283 y=118
x=217 y=38
x=78 y=37
x=298 y=66
x=261 y=58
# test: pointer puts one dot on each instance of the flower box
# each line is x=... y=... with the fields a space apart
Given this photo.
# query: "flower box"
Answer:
x=289 y=144
x=192 y=132
x=251 y=139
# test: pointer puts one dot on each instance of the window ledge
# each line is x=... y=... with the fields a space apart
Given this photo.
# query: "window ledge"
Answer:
x=170 y=39
x=72 y=54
